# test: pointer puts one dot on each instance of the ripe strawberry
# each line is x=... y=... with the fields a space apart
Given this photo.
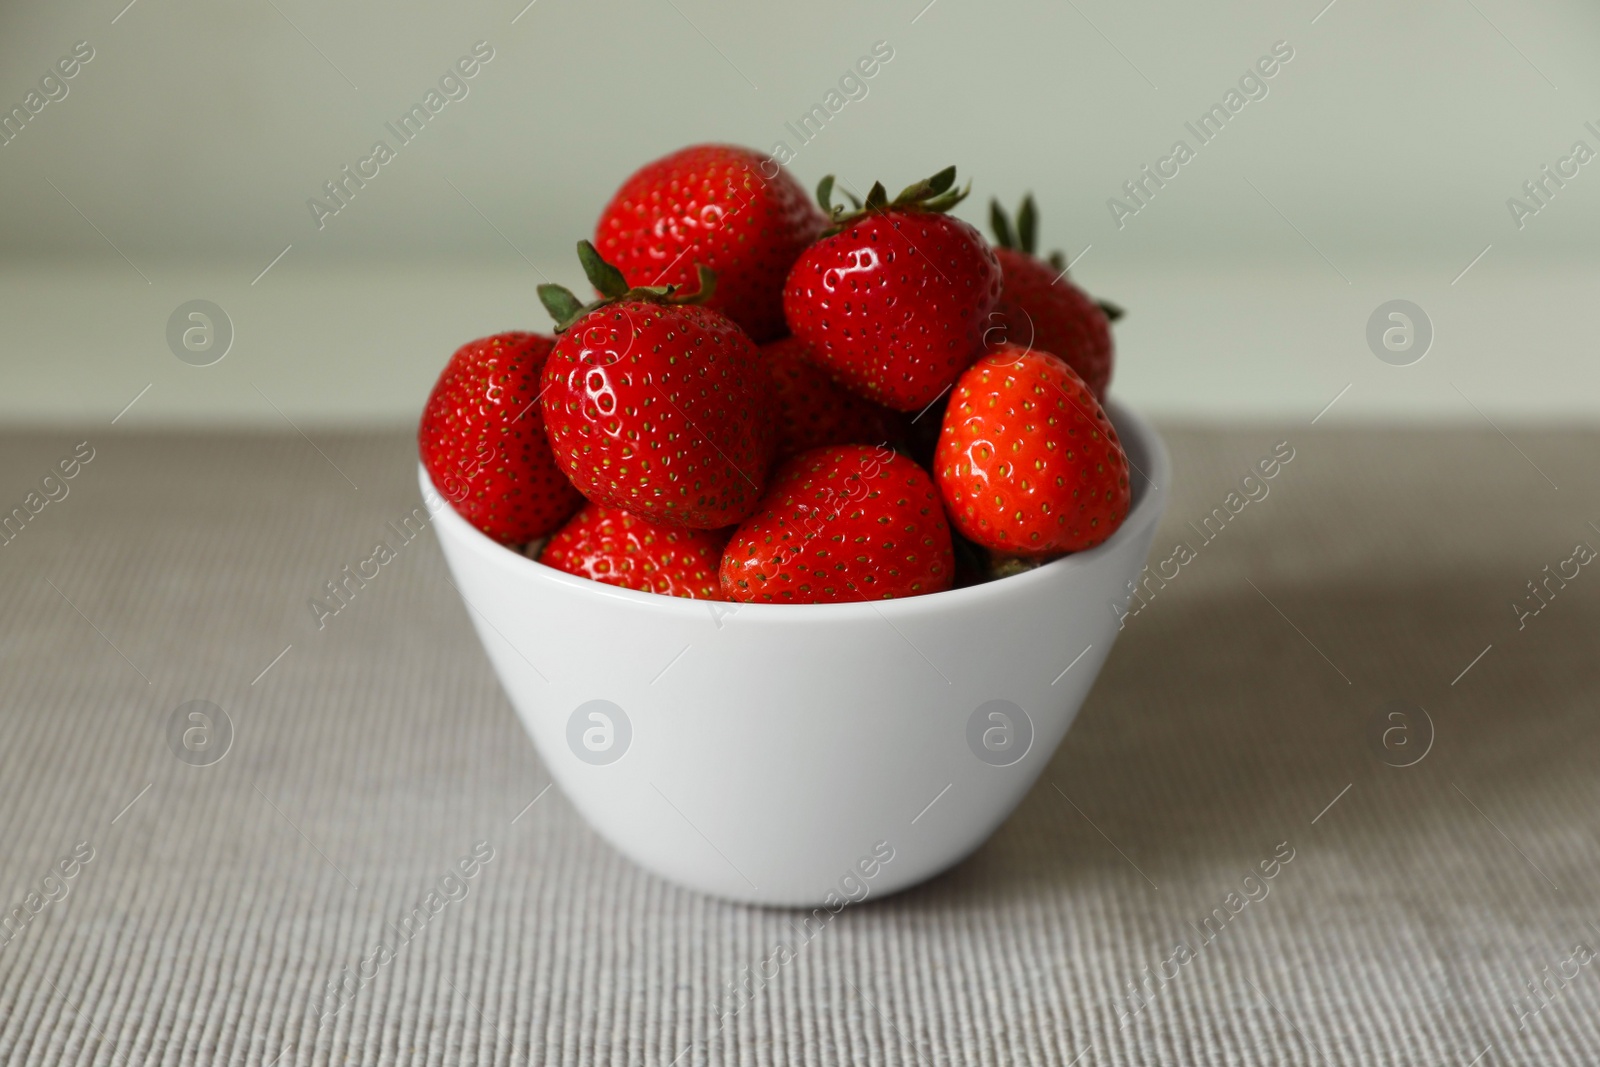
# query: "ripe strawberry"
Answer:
x=813 y=411
x=483 y=443
x=1028 y=463
x=1039 y=308
x=894 y=302
x=841 y=523
x=619 y=548
x=655 y=405
x=730 y=209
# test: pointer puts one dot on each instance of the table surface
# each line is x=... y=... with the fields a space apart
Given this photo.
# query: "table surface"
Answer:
x=211 y=910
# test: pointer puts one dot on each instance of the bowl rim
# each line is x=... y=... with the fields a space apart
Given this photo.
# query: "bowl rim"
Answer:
x=1149 y=503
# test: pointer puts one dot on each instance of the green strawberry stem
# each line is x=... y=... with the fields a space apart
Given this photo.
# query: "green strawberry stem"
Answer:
x=565 y=307
x=935 y=195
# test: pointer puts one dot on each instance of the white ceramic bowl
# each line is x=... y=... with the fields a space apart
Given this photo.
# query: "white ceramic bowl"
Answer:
x=802 y=754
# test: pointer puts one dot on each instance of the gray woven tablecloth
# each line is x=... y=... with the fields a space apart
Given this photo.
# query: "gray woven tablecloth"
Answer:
x=1442 y=913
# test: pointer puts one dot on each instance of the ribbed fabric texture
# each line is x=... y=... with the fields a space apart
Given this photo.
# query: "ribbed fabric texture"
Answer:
x=219 y=909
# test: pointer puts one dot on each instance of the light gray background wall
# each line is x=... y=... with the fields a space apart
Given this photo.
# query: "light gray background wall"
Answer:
x=1378 y=166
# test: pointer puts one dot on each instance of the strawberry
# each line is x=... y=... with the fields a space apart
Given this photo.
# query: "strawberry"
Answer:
x=1028 y=463
x=731 y=209
x=1039 y=308
x=483 y=443
x=895 y=299
x=654 y=404
x=619 y=548
x=813 y=411
x=844 y=522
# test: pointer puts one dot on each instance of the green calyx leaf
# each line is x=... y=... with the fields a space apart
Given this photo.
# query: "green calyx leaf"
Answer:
x=934 y=195
x=835 y=212
x=606 y=279
x=562 y=304
x=1000 y=223
x=708 y=285
x=825 y=195
x=928 y=188
x=565 y=308
x=1028 y=225
x=1026 y=236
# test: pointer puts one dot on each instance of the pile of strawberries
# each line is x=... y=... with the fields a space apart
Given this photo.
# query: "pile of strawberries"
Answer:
x=771 y=400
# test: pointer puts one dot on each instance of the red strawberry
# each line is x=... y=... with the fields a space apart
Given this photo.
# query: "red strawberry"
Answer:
x=1028 y=463
x=813 y=411
x=656 y=405
x=842 y=523
x=482 y=439
x=731 y=209
x=1039 y=308
x=619 y=548
x=895 y=302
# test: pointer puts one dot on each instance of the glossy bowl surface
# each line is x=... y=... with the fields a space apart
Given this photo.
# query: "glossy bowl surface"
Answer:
x=802 y=754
